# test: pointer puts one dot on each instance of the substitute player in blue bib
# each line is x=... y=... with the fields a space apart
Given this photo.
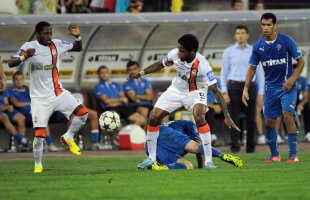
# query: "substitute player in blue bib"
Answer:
x=275 y=51
x=175 y=140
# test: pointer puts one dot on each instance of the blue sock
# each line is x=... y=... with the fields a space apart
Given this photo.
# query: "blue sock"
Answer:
x=49 y=140
x=292 y=144
x=200 y=149
x=19 y=137
x=271 y=136
x=95 y=137
x=177 y=166
x=215 y=152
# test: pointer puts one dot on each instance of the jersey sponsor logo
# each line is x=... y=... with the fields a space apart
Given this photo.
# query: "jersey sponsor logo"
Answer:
x=64 y=42
x=210 y=75
x=274 y=62
x=49 y=67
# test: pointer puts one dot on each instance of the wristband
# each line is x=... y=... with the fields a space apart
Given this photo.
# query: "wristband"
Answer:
x=78 y=38
x=22 y=58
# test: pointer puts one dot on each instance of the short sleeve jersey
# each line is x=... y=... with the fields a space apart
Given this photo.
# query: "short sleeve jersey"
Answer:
x=44 y=67
x=186 y=127
x=139 y=87
x=204 y=74
x=21 y=96
x=276 y=58
x=110 y=89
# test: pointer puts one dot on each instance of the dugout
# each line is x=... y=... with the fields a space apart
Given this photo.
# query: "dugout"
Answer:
x=113 y=39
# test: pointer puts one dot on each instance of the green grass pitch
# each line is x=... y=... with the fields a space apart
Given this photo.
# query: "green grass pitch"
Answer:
x=117 y=178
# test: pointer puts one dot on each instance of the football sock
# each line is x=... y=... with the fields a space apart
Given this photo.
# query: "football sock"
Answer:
x=177 y=166
x=19 y=137
x=38 y=150
x=77 y=123
x=292 y=143
x=95 y=136
x=215 y=152
x=271 y=136
x=151 y=138
x=49 y=140
x=205 y=136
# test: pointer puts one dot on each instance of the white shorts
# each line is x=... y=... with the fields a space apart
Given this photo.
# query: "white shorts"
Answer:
x=43 y=109
x=173 y=99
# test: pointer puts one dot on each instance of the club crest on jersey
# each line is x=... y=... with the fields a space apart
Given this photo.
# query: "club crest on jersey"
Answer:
x=278 y=47
x=54 y=52
x=194 y=72
x=35 y=119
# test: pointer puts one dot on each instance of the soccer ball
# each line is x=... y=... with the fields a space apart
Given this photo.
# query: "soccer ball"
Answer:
x=109 y=121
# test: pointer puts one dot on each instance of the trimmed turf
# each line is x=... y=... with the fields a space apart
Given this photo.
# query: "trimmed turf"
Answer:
x=117 y=178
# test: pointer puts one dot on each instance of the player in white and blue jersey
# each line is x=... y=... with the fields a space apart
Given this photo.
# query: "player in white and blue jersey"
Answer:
x=176 y=139
x=275 y=51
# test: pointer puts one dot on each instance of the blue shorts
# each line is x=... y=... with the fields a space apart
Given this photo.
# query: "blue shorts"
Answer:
x=276 y=101
x=170 y=145
x=12 y=114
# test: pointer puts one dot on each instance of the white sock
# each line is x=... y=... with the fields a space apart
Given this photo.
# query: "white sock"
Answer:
x=77 y=123
x=151 y=139
x=37 y=151
x=206 y=143
x=24 y=140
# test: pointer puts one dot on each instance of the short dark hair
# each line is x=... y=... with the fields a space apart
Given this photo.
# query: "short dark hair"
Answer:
x=269 y=16
x=102 y=67
x=17 y=73
x=41 y=25
x=242 y=27
x=235 y=1
x=189 y=42
x=131 y=63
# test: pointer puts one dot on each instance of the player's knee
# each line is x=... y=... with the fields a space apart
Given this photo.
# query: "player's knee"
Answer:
x=269 y=124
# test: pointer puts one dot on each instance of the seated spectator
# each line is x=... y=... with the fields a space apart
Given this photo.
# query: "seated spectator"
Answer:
x=8 y=114
x=112 y=97
x=139 y=91
x=135 y=6
x=20 y=98
x=214 y=110
x=237 y=5
x=259 y=5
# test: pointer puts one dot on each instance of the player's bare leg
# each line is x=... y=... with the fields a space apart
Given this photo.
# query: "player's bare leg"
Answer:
x=291 y=136
x=20 y=121
x=156 y=116
x=204 y=132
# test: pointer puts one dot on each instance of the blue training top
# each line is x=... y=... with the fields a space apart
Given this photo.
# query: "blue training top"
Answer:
x=139 y=87
x=111 y=90
x=21 y=96
x=276 y=58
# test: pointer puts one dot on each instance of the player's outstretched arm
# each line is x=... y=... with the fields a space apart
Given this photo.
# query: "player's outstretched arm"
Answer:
x=220 y=99
x=14 y=62
x=75 y=31
x=248 y=80
x=150 y=69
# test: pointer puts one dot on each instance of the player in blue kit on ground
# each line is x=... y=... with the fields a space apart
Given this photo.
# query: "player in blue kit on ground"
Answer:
x=275 y=51
x=175 y=140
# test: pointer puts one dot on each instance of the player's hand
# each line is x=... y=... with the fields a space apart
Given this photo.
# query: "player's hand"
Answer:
x=226 y=98
x=300 y=107
x=288 y=84
x=230 y=123
x=30 y=52
x=10 y=108
x=2 y=85
x=245 y=97
x=74 y=30
x=124 y=100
